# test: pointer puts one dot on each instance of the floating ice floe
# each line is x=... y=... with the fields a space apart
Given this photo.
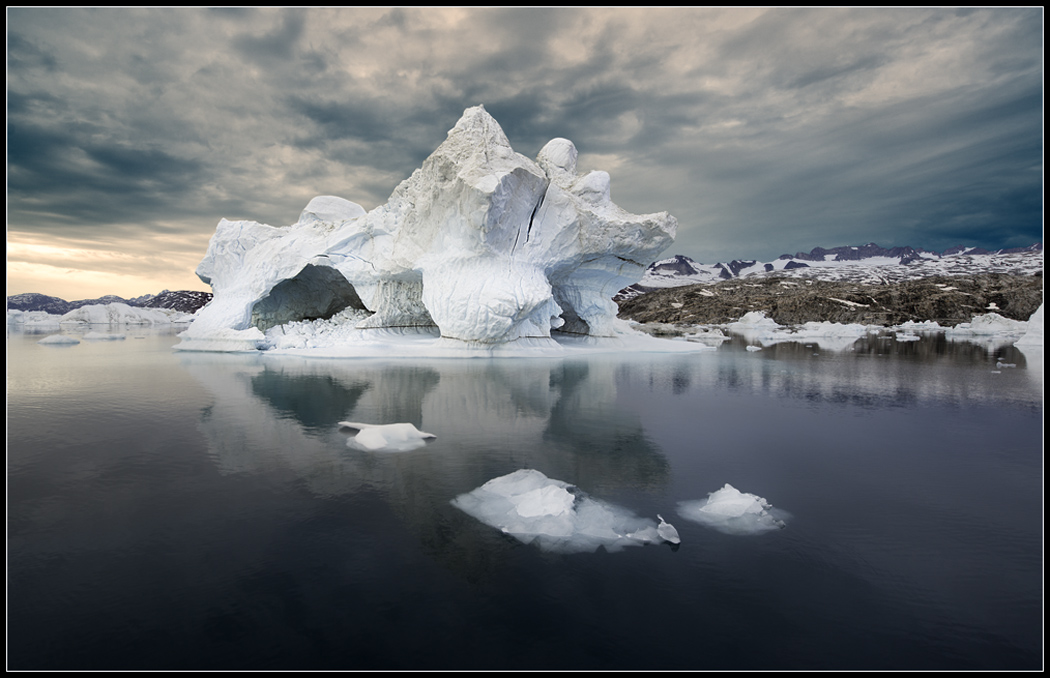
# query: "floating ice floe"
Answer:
x=734 y=512
x=706 y=335
x=667 y=531
x=557 y=516
x=989 y=324
x=907 y=336
x=911 y=326
x=59 y=340
x=386 y=437
x=102 y=336
x=756 y=328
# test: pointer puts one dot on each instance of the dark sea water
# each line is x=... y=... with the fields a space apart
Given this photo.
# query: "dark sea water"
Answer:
x=195 y=511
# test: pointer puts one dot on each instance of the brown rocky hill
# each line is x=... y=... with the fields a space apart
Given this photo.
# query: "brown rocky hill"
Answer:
x=791 y=301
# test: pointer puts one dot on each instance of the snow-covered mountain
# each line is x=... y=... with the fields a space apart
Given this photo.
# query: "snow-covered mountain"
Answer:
x=186 y=301
x=861 y=263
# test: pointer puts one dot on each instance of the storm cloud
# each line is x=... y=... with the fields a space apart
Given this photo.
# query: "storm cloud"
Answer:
x=763 y=131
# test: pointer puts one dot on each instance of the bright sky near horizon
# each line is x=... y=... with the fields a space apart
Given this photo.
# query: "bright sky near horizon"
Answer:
x=131 y=132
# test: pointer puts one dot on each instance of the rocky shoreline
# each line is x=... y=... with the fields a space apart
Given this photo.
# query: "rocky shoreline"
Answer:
x=947 y=300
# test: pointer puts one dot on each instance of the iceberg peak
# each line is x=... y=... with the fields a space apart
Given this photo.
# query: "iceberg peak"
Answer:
x=480 y=243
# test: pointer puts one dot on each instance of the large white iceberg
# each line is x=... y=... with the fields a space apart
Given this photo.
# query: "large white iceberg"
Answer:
x=481 y=244
x=556 y=516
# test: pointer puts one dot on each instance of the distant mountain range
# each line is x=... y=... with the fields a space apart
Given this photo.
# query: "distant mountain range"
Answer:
x=187 y=301
x=861 y=263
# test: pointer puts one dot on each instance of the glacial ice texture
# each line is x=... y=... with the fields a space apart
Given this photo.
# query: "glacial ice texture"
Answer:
x=481 y=243
x=554 y=515
x=731 y=511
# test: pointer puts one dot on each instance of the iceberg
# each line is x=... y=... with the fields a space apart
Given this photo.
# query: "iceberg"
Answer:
x=59 y=340
x=557 y=516
x=480 y=245
x=1033 y=336
x=756 y=328
x=386 y=437
x=33 y=321
x=731 y=511
x=118 y=313
x=989 y=324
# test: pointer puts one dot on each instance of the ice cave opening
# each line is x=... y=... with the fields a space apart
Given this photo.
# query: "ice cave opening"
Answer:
x=316 y=293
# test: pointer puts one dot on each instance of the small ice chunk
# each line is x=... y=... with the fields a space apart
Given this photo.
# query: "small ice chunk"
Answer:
x=734 y=512
x=667 y=531
x=554 y=515
x=386 y=437
x=59 y=340
x=754 y=348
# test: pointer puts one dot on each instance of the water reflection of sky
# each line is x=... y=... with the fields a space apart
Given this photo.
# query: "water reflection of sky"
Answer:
x=212 y=498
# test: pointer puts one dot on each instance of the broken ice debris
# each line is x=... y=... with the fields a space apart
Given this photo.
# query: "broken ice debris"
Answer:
x=386 y=437
x=555 y=515
x=734 y=512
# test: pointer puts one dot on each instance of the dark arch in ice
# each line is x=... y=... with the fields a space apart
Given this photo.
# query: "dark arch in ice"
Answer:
x=317 y=292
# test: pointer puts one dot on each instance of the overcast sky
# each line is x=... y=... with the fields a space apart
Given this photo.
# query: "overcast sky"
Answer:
x=131 y=132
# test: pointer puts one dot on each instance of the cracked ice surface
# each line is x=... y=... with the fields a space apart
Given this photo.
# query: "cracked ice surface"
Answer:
x=554 y=515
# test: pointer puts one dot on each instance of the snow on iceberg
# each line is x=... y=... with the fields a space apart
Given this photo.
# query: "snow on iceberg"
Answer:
x=734 y=512
x=481 y=243
x=555 y=515
x=386 y=437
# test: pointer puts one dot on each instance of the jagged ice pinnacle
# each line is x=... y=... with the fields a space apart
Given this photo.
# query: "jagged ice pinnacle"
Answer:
x=480 y=242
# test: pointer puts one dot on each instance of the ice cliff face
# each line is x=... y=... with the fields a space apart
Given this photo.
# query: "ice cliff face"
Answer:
x=481 y=242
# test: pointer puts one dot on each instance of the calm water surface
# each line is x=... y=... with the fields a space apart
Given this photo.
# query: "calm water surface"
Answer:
x=196 y=511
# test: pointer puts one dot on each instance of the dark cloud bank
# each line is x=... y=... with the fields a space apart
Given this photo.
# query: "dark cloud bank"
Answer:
x=764 y=132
